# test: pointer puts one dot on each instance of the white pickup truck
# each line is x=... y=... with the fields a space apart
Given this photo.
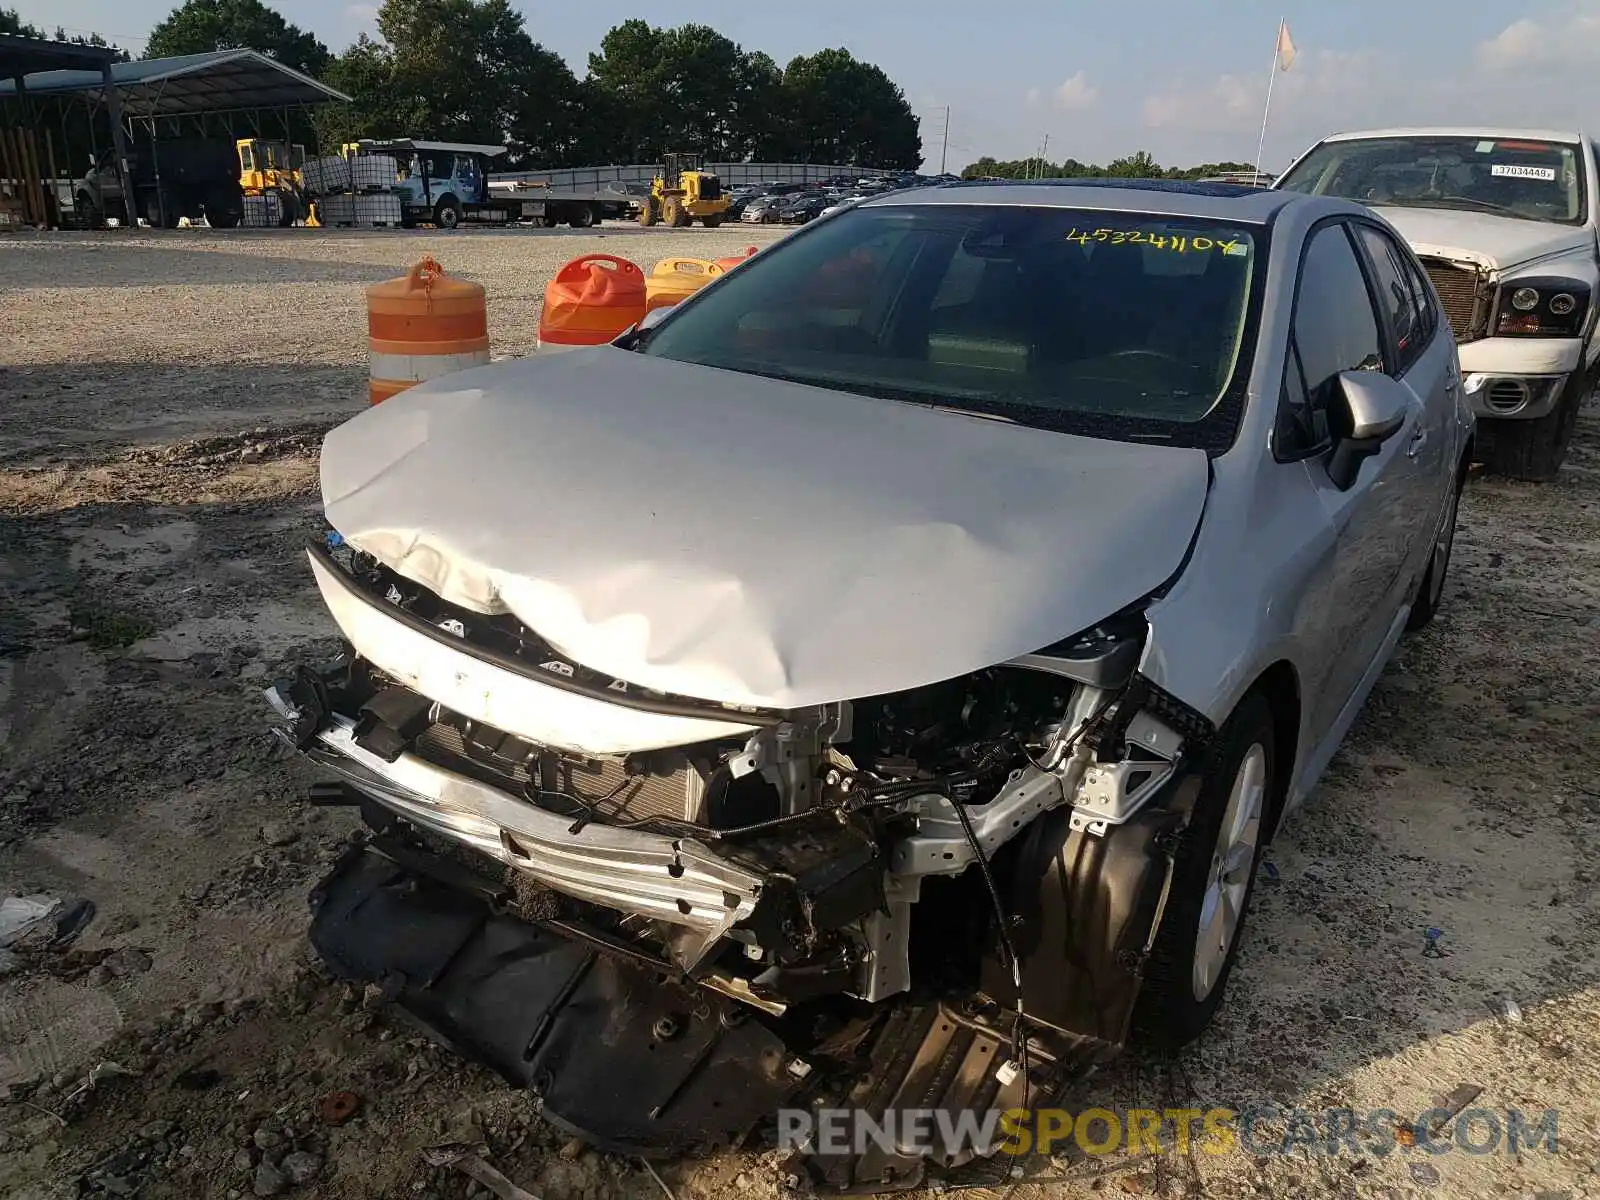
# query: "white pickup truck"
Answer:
x=1505 y=222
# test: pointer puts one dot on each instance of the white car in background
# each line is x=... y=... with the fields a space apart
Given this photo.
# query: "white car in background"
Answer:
x=1505 y=224
x=842 y=203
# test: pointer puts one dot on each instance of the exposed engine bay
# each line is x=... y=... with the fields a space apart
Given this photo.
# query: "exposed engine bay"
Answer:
x=815 y=902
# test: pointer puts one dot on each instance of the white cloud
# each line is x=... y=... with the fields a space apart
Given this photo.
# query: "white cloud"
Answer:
x=1073 y=95
x=1222 y=105
x=1570 y=38
x=1323 y=86
x=1077 y=93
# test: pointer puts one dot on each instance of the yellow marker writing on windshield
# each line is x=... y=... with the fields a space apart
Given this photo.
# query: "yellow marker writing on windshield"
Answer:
x=1177 y=243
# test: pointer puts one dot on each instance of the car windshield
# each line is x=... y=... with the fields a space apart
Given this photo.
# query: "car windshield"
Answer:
x=1111 y=324
x=1511 y=177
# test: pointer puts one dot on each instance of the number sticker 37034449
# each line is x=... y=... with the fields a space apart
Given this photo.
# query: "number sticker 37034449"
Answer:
x=1512 y=171
x=1176 y=243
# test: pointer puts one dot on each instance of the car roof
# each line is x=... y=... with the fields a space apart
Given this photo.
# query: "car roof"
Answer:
x=1166 y=197
x=1471 y=131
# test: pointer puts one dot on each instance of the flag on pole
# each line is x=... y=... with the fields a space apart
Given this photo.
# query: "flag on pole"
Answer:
x=1286 y=49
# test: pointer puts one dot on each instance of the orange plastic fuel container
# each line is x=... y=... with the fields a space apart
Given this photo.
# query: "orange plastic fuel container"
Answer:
x=590 y=302
x=675 y=278
x=421 y=326
x=728 y=264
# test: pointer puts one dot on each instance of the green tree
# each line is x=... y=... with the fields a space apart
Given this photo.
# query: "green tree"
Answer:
x=365 y=73
x=11 y=22
x=1138 y=165
x=686 y=89
x=456 y=70
x=627 y=70
x=201 y=25
x=91 y=39
x=762 y=131
x=846 y=111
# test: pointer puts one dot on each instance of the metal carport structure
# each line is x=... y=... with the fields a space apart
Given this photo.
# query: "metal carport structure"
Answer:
x=25 y=58
x=163 y=93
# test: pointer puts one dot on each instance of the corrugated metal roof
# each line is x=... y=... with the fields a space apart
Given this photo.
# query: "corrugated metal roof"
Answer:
x=28 y=54
x=217 y=81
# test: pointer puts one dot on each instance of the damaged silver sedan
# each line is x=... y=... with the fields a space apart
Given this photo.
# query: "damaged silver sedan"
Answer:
x=876 y=680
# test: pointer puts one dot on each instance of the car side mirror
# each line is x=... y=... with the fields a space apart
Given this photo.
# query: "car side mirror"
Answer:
x=1375 y=407
x=653 y=318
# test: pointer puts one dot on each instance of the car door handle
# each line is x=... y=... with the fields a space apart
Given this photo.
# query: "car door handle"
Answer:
x=1419 y=438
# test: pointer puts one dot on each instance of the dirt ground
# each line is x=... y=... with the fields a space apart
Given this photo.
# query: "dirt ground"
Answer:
x=162 y=398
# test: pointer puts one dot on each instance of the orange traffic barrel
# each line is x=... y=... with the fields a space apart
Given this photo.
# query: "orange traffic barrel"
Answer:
x=728 y=264
x=421 y=326
x=675 y=278
x=591 y=301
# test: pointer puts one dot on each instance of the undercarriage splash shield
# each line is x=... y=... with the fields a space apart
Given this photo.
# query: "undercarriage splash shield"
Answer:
x=618 y=1053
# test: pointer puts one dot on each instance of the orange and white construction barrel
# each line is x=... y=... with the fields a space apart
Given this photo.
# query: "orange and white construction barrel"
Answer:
x=421 y=326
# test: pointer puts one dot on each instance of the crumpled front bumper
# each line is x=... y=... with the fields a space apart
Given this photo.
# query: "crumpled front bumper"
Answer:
x=629 y=1060
x=672 y=879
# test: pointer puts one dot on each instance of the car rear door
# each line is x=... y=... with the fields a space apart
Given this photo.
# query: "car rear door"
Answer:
x=1424 y=363
x=1357 y=580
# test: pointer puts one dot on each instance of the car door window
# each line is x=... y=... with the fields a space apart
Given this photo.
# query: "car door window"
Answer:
x=1334 y=330
x=1397 y=299
x=1427 y=311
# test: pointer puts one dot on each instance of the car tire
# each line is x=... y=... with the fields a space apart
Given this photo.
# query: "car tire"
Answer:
x=153 y=211
x=1213 y=878
x=1533 y=450
x=1430 y=592
x=649 y=213
x=447 y=214
x=581 y=217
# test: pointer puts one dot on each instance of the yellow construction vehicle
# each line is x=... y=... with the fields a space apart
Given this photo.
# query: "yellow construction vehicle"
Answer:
x=274 y=168
x=683 y=193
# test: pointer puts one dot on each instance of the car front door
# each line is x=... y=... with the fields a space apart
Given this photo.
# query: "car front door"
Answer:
x=1362 y=553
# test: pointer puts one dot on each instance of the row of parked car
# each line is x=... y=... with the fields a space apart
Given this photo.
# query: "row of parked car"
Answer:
x=798 y=203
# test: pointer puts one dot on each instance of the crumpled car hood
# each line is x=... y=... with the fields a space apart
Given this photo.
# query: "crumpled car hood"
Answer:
x=738 y=539
x=1483 y=239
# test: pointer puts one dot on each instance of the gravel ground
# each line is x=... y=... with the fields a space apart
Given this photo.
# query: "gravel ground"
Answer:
x=161 y=402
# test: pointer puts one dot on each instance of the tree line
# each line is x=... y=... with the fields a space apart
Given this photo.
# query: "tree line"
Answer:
x=11 y=22
x=1139 y=165
x=470 y=71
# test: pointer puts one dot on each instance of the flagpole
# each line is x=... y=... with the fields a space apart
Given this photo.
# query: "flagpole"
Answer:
x=1272 y=78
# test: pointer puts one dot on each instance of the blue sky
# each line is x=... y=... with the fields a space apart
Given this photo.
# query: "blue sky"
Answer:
x=1102 y=80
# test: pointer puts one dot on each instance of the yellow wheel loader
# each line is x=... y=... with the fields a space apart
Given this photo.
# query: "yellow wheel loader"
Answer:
x=684 y=192
x=274 y=168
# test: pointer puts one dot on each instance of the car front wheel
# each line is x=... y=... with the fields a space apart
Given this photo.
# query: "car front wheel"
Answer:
x=1213 y=879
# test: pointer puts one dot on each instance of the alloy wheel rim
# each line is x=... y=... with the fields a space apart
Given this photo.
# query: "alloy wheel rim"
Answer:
x=1232 y=864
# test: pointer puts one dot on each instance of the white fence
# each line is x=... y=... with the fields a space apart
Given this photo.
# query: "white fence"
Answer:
x=731 y=174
